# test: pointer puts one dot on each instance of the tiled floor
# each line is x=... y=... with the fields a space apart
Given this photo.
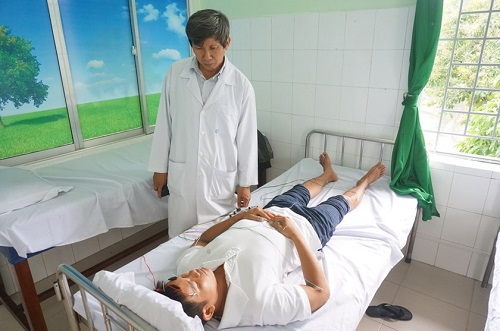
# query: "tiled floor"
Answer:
x=439 y=300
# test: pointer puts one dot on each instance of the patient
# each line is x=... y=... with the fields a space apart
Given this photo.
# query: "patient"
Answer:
x=235 y=271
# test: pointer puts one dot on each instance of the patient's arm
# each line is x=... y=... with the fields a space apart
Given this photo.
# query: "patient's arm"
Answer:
x=316 y=287
x=254 y=214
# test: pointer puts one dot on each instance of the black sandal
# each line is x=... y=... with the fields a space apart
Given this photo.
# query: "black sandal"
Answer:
x=386 y=310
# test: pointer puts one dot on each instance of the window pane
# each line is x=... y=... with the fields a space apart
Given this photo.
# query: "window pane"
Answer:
x=429 y=117
x=489 y=77
x=163 y=41
x=458 y=99
x=491 y=53
x=479 y=146
x=448 y=143
x=467 y=51
x=450 y=15
x=472 y=25
x=430 y=140
x=463 y=76
x=476 y=5
x=481 y=125
x=453 y=123
x=486 y=102
x=496 y=4
x=441 y=66
x=494 y=27
x=34 y=114
x=99 y=42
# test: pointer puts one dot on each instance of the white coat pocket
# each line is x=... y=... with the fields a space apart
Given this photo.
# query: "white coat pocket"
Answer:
x=223 y=184
x=176 y=177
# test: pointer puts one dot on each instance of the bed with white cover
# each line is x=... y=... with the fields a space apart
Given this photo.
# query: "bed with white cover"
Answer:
x=66 y=200
x=493 y=318
x=364 y=248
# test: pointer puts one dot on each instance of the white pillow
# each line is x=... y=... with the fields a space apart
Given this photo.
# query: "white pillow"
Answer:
x=21 y=187
x=158 y=310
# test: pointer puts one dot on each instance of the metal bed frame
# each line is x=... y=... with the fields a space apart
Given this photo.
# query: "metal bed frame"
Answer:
x=356 y=146
x=133 y=321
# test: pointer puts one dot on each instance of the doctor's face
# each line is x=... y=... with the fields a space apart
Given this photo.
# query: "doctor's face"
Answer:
x=210 y=56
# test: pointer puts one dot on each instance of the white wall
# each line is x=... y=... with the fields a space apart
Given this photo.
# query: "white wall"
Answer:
x=347 y=72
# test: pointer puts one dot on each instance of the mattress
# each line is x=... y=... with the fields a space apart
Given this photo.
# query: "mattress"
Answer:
x=111 y=189
x=493 y=318
x=364 y=248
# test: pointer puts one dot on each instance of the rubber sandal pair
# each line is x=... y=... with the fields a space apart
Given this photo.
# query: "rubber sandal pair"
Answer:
x=386 y=310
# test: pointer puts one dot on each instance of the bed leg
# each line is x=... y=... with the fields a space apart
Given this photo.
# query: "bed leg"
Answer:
x=29 y=296
x=413 y=234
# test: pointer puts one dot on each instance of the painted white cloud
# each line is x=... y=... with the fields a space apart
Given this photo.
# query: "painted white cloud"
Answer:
x=175 y=19
x=150 y=13
x=95 y=64
x=169 y=54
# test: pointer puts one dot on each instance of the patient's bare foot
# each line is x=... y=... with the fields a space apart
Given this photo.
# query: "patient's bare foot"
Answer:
x=372 y=175
x=328 y=172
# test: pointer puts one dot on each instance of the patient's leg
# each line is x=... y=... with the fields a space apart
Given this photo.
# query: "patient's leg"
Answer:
x=315 y=185
x=355 y=194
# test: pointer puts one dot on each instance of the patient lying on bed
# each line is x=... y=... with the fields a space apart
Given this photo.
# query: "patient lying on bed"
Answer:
x=235 y=271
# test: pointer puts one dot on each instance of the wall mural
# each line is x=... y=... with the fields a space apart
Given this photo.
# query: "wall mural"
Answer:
x=98 y=38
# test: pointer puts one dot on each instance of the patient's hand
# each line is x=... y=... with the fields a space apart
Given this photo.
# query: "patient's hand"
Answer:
x=285 y=226
x=257 y=214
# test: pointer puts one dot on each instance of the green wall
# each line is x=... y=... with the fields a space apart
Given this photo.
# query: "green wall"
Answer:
x=255 y=8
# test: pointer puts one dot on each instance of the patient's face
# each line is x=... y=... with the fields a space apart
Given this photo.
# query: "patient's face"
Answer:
x=198 y=285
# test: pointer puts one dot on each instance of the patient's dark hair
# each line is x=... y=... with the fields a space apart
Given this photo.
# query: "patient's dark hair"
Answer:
x=207 y=23
x=190 y=308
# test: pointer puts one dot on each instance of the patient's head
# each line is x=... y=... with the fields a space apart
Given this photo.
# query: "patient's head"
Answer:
x=196 y=290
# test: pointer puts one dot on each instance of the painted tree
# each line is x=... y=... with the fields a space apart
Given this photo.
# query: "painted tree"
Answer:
x=19 y=69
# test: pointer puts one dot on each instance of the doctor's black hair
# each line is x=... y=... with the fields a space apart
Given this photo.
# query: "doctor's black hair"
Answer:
x=207 y=23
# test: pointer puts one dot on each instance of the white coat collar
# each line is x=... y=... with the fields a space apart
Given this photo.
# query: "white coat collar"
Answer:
x=226 y=77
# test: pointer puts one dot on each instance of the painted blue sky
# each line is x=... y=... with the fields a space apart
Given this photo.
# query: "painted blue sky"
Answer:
x=99 y=42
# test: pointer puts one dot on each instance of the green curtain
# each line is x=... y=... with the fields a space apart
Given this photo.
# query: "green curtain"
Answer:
x=410 y=167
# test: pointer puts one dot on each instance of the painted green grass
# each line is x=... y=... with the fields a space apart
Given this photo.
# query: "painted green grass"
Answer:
x=33 y=132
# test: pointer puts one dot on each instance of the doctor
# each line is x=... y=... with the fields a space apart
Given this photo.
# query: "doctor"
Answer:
x=205 y=140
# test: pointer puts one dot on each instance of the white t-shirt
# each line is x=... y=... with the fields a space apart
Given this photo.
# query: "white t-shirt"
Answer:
x=256 y=259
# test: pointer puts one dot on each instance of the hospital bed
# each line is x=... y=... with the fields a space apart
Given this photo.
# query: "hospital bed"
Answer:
x=364 y=248
x=69 y=199
x=493 y=318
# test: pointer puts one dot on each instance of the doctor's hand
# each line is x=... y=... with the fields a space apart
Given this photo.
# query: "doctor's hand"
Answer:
x=243 y=196
x=159 y=180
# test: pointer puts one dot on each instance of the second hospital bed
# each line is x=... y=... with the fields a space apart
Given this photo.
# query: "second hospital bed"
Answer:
x=366 y=245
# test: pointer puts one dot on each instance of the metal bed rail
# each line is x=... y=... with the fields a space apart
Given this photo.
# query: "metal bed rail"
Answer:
x=358 y=151
x=344 y=138
x=116 y=317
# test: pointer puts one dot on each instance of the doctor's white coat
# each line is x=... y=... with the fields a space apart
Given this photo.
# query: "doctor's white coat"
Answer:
x=206 y=149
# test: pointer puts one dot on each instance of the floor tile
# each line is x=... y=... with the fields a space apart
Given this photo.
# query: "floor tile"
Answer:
x=429 y=314
x=480 y=298
x=398 y=273
x=476 y=322
x=440 y=284
x=385 y=293
x=367 y=324
x=8 y=323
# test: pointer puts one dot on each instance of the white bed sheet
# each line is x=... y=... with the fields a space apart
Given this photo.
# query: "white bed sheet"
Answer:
x=493 y=319
x=111 y=189
x=364 y=248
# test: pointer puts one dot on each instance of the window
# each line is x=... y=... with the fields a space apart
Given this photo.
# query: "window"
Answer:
x=82 y=73
x=459 y=108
